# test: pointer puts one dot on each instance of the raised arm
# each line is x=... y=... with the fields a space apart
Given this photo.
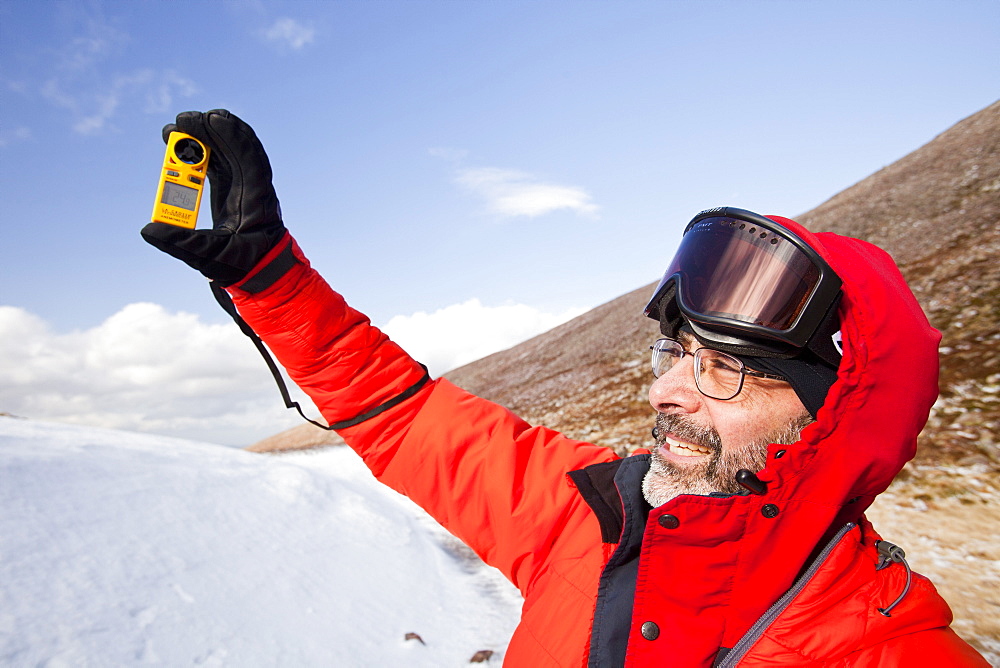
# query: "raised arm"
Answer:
x=493 y=480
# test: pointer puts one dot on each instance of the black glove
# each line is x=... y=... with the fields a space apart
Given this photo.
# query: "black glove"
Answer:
x=245 y=213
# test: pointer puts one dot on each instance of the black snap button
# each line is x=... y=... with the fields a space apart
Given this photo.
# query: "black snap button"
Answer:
x=779 y=454
x=769 y=510
x=669 y=522
x=650 y=631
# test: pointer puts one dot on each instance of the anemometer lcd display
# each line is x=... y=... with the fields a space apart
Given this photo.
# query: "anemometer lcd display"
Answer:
x=182 y=181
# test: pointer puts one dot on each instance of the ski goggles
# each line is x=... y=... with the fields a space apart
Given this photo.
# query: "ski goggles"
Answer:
x=739 y=274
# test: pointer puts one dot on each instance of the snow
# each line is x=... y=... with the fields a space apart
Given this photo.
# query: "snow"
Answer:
x=121 y=549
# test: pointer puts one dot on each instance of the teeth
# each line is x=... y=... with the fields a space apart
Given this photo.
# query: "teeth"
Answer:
x=686 y=449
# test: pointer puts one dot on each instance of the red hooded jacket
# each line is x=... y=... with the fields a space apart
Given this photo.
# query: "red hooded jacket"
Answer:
x=790 y=577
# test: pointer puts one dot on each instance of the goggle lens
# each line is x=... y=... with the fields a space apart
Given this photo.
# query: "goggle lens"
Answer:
x=748 y=284
x=736 y=270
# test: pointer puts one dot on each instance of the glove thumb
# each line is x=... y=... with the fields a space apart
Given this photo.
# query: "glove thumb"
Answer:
x=218 y=254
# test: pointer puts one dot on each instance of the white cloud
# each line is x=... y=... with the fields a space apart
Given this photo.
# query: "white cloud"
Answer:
x=102 y=107
x=52 y=90
x=85 y=52
x=462 y=333
x=157 y=90
x=81 y=82
x=164 y=88
x=448 y=153
x=142 y=369
x=18 y=134
x=149 y=370
x=514 y=193
x=291 y=33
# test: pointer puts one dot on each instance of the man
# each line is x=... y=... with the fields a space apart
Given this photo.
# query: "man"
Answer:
x=740 y=540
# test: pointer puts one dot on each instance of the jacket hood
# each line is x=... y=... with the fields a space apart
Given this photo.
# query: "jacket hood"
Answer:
x=755 y=545
x=887 y=382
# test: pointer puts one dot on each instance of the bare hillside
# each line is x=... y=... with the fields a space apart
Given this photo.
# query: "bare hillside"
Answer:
x=937 y=212
x=588 y=377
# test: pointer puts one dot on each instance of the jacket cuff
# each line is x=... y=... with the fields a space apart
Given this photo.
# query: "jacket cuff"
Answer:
x=276 y=263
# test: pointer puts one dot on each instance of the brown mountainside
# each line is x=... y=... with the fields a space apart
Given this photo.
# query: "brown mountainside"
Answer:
x=587 y=378
x=936 y=211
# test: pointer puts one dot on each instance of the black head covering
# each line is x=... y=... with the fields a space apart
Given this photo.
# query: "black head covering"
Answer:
x=810 y=371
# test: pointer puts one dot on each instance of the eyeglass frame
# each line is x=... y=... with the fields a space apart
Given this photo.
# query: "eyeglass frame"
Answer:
x=696 y=355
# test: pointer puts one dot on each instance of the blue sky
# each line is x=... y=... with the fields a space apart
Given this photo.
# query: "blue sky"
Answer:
x=462 y=171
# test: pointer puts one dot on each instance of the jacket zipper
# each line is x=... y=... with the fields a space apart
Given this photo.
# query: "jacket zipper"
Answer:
x=740 y=649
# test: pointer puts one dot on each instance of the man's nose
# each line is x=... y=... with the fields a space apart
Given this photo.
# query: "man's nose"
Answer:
x=676 y=388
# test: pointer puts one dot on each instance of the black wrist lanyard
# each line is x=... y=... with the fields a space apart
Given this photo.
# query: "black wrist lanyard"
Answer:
x=226 y=302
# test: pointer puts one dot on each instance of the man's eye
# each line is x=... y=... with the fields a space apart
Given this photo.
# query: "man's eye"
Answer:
x=724 y=366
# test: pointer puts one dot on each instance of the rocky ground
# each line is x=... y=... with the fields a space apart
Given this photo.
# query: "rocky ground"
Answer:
x=945 y=518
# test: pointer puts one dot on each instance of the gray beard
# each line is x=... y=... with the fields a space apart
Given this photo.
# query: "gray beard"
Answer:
x=665 y=481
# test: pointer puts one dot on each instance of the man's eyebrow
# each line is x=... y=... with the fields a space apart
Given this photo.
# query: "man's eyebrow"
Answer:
x=686 y=338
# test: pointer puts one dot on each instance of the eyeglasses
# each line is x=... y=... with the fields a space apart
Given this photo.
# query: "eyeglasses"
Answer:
x=717 y=375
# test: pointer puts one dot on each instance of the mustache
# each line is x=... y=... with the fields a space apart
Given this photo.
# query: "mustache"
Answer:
x=686 y=429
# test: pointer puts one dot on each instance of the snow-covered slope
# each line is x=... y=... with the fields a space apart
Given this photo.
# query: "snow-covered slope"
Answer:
x=119 y=549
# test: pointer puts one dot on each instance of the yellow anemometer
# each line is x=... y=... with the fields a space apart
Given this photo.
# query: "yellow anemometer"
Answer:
x=182 y=181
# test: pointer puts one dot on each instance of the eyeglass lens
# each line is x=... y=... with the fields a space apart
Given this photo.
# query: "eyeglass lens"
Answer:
x=717 y=375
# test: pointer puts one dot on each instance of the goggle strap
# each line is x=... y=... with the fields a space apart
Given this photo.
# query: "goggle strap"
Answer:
x=821 y=344
x=670 y=318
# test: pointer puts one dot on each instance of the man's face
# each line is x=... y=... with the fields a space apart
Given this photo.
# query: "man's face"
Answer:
x=702 y=442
